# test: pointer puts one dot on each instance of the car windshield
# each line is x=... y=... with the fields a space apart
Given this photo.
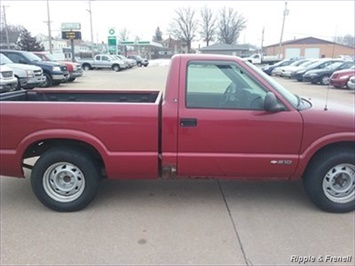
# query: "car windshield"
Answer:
x=5 y=60
x=32 y=57
x=307 y=63
x=290 y=97
x=298 y=63
x=51 y=57
x=334 y=65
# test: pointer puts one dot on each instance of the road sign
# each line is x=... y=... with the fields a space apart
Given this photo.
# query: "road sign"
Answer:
x=71 y=26
x=128 y=43
x=71 y=35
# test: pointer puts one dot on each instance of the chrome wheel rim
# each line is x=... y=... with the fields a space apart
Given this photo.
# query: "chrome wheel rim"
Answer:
x=64 y=182
x=325 y=80
x=339 y=183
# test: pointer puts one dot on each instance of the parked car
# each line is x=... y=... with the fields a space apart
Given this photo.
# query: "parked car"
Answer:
x=340 y=78
x=263 y=59
x=52 y=71
x=321 y=63
x=74 y=69
x=322 y=75
x=268 y=69
x=8 y=81
x=28 y=76
x=351 y=83
x=103 y=61
x=140 y=61
x=278 y=71
x=130 y=62
x=291 y=70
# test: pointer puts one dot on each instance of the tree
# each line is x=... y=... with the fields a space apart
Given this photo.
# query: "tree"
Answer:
x=347 y=40
x=230 y=25
x=184 y=26
x=158 y=37
x=208 y=25
x=29 y=43
x=123 y=35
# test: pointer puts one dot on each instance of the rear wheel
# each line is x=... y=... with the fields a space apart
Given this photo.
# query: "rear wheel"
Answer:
x=330 y=180
x=65 y=179
x=86 y=67
x=116 y=68
x=139 y=64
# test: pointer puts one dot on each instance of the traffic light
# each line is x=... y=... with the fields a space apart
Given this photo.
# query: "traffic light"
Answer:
x=71 y=35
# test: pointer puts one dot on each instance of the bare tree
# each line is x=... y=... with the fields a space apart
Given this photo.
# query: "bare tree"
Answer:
x=184 y=26
x=123 y=35
x=230 y=25
x=208 y=25
x=347 y=40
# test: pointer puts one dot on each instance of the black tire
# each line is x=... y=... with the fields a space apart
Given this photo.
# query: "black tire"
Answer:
x=65 y=179
x=139 y=64
x=329 y=180
x=71 y=79
x=324 y=80
x=116 y=68
x=86 y=67
x=18 y=86
x=145 y=65
x=48 y=82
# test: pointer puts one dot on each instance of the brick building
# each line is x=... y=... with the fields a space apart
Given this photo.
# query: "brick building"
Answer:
x=309 y=47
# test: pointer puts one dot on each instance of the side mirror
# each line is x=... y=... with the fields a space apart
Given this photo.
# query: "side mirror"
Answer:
x=271 y=104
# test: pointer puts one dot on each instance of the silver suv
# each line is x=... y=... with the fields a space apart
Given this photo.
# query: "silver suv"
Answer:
x=8 y=82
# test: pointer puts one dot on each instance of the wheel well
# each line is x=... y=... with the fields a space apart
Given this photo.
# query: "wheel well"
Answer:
x=331 y=147
x=87 y=64
x=38 y=148
x=114 y=65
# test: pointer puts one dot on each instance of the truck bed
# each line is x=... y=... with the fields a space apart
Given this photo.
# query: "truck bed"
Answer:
x=122 y=126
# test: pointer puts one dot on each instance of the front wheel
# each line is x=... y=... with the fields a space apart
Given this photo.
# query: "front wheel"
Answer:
x=325 y=80
x=48 y=81
x=330 y=180
x=65 y=179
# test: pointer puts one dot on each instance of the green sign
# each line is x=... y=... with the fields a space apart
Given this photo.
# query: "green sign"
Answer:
x=127 y=43
x=143 y=42
x=112 y=41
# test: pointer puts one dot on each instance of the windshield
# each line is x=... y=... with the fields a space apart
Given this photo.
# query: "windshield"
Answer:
x=307 y=63
x=290 y=97
x=334 y=65
x=32 y=57
x=51 y=57
x=5 y=60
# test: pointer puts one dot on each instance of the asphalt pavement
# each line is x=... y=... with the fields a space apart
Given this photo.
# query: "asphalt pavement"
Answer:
x=176 y=222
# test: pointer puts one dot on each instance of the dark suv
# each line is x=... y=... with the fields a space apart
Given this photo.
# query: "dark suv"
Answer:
x=140 y=61
x=54 y=72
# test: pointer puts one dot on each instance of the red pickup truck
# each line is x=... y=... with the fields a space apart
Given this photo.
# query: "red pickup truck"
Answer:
x=219 y=117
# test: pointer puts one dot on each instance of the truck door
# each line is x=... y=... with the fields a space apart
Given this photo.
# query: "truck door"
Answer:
x=224 y=130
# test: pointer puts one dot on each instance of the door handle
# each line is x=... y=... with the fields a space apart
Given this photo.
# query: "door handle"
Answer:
x=188 y=122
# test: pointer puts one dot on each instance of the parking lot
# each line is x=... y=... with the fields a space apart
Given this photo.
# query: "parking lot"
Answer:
x=177 y=222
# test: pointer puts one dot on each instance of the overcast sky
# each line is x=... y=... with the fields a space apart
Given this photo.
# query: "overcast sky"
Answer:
x=322 y=19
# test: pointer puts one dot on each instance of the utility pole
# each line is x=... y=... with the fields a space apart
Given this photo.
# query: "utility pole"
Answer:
x=49 y=29
x=286 y=11
x=262 y=41
x=6 y=29
x=91 y=30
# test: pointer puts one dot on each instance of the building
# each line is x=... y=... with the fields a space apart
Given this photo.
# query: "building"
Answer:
x=309 y=47
x=241 y=50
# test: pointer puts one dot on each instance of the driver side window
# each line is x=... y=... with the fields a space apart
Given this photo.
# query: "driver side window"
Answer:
x=220 y=85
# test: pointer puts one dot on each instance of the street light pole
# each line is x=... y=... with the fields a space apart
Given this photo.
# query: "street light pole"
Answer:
x=49 y=29
x=6 y=29
x=286 y=11
x=91 y=30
